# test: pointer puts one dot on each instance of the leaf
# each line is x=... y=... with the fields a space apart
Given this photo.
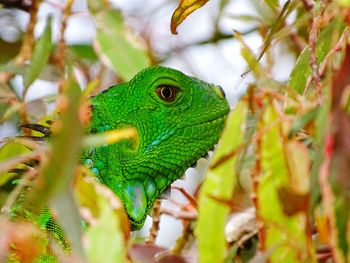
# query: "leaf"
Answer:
x=96 y=6
x=277 y=24
x=8 y=151
x=53 y=182
x=117 y=46
x=67 y=216
x=302 y=71
x=109 y=137
x=298 y=164
x=272 y=3
x=108 y=223
x=219 y=185
x=184 y=9
x=252 y=62
x=344 y=2
x=322 y=121
x=49 y=72
x=40 y=55
x=284 y=235
x=301 y=121
x=57 y=174
x=83 y=51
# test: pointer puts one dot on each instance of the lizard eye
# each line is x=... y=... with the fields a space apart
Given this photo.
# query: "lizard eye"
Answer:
x=167 y=92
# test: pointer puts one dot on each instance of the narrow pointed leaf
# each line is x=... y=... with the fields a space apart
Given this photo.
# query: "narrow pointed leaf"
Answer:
x=184 y=9
x=284 y=229
x=108 y=223
x=272 y=3
x=40 y=55
x=302 y=71
x=219 y=185
x=117 y=46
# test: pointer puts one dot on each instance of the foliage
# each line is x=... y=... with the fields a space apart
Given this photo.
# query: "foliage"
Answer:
x=284 y=153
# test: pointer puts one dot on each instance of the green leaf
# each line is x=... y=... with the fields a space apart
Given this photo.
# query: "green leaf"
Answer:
x=272 y=3
x=68 y=218
x=298 y=163
x=344 y=3
x=40 y=55
x=54 y=180
x=96 y=6
x=301 y=121
x=184 y=9
x=322 y=121
x=219 y=185
x=117 y=46
x=106 y=217
x=8 y=151
x=57 y=174
x=302 y=71
x=285 y=235
x=83 y=51
x=252 y=62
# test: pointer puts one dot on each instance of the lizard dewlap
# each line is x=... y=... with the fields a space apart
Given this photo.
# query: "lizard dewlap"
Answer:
x=178 y=120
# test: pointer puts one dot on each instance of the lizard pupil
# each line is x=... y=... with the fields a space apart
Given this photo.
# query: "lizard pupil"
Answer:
x=167 y=92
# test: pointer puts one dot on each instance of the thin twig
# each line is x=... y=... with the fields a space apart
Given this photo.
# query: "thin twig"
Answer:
x=314 y=31
x=322 y=68
x=188 y=196
x=216 y=38
x=28 y=43
x=24 y=54
x=62 y=44
x=189 y=215
x=278 y=24
x=183 y=239
x=153 y=232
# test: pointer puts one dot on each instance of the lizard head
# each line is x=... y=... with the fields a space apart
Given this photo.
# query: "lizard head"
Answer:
x=178 y=119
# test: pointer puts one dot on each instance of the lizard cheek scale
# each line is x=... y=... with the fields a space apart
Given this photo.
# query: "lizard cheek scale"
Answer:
x=178 y=119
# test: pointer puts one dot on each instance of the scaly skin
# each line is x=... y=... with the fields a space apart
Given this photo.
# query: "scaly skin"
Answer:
x=178 y=119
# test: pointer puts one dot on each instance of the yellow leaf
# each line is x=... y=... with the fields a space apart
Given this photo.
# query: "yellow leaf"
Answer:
x=184 y=9
x=298 y=163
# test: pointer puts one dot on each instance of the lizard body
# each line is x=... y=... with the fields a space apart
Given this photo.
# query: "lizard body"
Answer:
x=178 y=120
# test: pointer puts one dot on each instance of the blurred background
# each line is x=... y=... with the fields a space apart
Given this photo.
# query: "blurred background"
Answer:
x=204 y=47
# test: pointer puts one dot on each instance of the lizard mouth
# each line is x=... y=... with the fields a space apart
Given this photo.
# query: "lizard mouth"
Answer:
x=215 y=121
x=211 y=122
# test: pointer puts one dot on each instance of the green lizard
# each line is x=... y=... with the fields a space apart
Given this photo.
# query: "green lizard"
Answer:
x=178 y=119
